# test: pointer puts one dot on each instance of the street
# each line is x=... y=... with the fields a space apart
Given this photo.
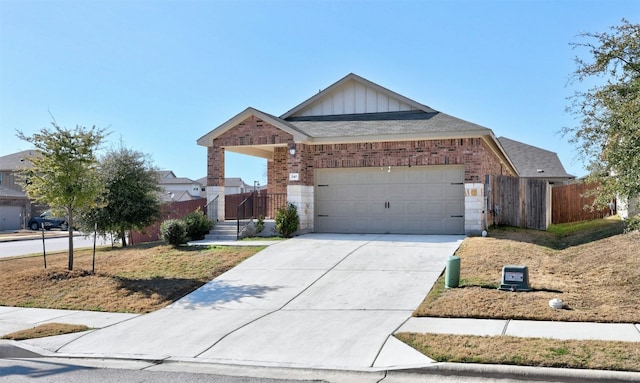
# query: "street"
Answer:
x=34 y=246
x=54 y=371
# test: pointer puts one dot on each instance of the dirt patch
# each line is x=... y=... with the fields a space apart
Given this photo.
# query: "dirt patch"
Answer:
x=594 y=272
x=137 y=279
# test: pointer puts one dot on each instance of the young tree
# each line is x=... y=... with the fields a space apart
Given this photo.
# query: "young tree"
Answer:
x=131 y=197
x=64 y=174
x=608 y=134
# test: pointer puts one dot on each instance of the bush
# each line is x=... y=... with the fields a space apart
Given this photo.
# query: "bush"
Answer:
x=287 y=220
x=198 y=225
x=174 y=232
x=259 y=224
x=632 y=224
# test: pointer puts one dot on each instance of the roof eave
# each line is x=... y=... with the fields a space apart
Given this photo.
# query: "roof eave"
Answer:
x=208 y=138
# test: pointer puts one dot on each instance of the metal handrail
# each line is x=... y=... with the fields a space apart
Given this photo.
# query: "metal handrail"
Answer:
x=238 y=215
x=212 y=209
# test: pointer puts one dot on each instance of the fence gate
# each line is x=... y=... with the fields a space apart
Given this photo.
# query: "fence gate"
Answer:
x=522 y=202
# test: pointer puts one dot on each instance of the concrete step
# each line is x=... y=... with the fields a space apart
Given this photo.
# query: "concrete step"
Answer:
x=223 y=231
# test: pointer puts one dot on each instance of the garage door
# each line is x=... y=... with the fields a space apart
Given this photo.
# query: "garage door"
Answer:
x=407 y=200
x=10 y=217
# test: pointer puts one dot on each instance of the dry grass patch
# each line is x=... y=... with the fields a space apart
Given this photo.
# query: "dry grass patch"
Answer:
x=47 y=329
x=135 y=279
x=621 y=356
x=591 y=267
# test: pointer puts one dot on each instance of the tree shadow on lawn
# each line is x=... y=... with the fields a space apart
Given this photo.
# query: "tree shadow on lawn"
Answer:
x=184 y=290
x=167 y=289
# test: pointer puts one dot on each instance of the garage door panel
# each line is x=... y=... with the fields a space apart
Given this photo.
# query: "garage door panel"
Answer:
x=416 y=200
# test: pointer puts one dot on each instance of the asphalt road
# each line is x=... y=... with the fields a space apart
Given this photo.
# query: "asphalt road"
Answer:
x=53 y=371
x=34 y=246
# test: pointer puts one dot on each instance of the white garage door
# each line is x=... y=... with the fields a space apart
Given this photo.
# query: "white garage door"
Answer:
x=407 y=200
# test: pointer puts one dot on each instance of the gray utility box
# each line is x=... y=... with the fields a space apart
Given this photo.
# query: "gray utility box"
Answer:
x=515 y=278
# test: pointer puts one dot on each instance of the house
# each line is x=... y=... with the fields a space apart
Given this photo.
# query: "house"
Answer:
x=360 y=158
x=177 y=188
x=534 y=162
x=15 y=207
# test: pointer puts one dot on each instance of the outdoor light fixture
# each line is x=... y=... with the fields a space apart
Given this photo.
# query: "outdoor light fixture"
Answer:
x=292 y=149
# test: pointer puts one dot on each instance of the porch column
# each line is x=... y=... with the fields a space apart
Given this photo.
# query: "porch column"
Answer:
x=474 y=203
x=215 y=183
x=302 y=197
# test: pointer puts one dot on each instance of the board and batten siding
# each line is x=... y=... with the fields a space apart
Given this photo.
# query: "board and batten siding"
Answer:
x=355 y=98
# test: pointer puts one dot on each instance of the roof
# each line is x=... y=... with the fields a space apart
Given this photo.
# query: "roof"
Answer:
x=10 y=193
x=534 y=162
x=16 y=161
x=354 y=109
x=177 y=180
x=384 y=124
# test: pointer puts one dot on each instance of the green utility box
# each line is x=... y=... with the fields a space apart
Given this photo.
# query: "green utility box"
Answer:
x=452 y=272
x=515 y=278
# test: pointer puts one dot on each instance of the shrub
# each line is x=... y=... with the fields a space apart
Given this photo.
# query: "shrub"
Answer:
x=174 y=232
x=632 y=224
x=287 y=220
x=259 y=224
x=198 y=225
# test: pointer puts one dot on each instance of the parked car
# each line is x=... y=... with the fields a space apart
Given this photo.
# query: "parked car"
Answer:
x=49 y=222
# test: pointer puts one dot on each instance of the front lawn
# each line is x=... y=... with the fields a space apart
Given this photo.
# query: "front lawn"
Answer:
x=137 y=279
x=595 y=270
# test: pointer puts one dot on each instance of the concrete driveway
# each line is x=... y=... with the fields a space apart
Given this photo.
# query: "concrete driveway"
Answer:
x=317 y=301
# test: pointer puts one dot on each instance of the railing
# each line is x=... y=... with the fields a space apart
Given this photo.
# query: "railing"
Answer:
x=255 y=204
x=244 y=211
x=212 y=209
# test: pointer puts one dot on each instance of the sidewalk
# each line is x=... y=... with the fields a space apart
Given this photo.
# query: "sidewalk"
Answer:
x=624 y=332
x=24 y=235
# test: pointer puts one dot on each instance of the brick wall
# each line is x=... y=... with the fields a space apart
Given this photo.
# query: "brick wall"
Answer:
x=251 y=131
x=474 y=153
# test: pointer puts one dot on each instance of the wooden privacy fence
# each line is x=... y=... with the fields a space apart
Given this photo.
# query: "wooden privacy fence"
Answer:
x=172 y=210
x=522 y=202
x=569 y=203
x=257 y=204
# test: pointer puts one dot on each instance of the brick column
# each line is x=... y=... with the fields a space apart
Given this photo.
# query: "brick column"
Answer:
x=215 y=183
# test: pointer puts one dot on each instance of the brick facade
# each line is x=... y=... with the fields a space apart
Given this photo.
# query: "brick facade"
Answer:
x=474 y=153
x=252 y=131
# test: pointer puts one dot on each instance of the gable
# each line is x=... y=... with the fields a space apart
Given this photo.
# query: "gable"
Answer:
x=257 y=119
x=354 y=95
x=531 y=161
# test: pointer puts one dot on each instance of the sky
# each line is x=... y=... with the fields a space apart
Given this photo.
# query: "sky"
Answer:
x=160 y=74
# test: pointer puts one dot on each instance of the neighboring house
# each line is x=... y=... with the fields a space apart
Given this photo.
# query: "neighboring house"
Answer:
x=178 y=188
x=359 y=158
x=15 y=207
x=534 y=162
x=233 y=185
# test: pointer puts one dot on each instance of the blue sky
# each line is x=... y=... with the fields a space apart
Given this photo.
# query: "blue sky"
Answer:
x=160 y=74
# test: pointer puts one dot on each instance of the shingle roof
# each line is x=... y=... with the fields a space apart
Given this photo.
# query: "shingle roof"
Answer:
x=14 y=161
x=391 y=123
x=10 y=193
x=532 y=161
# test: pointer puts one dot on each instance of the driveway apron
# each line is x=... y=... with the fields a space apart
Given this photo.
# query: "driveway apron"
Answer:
x=318 y=301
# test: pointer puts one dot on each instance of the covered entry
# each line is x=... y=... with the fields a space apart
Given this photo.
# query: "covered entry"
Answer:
x=404 y=200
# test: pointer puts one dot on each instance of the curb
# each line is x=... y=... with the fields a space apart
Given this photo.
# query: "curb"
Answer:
x=10 y=349
x=528 y=373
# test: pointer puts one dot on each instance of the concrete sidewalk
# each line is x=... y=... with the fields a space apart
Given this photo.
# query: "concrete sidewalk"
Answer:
x=624 y=332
